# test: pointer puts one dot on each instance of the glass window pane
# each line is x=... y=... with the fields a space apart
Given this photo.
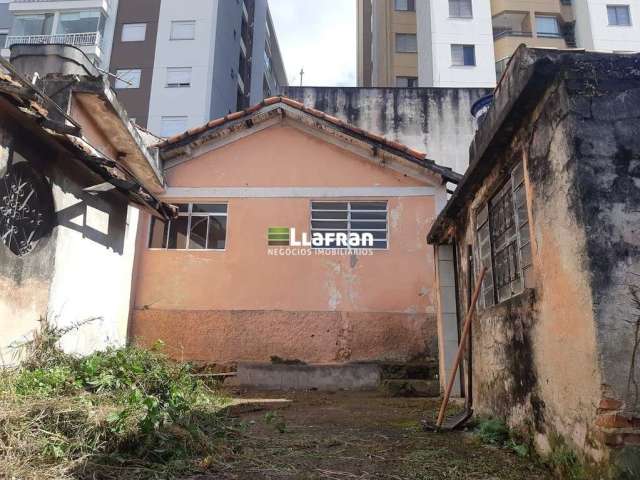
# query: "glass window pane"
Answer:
x=158 y=233
x=209 y=208
x=329 y=224
x=329 y=205
x=368 y=205
x=32 y=24
x=198 y=236
x=469 y=55
x=319 y=215
x=406 y=43
x=87 y=21
x=128 y=78
x=178 y=233
x=183 y=30
x=547 y=26
x=178 y=76
x=134 y=32
x=217 y=233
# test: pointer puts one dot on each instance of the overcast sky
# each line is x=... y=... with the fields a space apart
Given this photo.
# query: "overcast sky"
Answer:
x=319 y=36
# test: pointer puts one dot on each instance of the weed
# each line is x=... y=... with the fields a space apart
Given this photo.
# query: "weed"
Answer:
x=130 y=408
x=565 y=462
x=493 y=431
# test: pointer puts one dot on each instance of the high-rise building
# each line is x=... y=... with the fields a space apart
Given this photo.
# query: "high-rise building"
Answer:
x=172 y=67
x=467 y=43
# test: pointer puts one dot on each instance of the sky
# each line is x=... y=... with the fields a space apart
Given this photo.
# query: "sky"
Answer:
x=319 y=36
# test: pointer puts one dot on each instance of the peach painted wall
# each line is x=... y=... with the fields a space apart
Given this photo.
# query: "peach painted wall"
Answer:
x=244 y=304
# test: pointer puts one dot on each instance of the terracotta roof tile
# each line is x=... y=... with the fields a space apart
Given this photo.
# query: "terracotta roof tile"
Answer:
x=370 y=136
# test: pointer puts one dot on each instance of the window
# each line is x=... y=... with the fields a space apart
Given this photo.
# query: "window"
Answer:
x=407 y=82
x=351 y=217
x=183 y=30
x=39 y=24
x=3 y=37
x=463 y=55
x=460 y=9
x=547 y=26
x=88 y=21
x=405 y=5
x=503 y=243
x=134 y=32
x=199 y=226
x=619 y=15
x=406 y=43
x=170 y=126
x=128 y=78
x=178 y=77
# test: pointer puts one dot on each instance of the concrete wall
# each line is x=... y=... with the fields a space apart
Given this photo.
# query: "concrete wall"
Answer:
x=81 y=269
x=244 y=304
x=433 y=120
x=560 y=361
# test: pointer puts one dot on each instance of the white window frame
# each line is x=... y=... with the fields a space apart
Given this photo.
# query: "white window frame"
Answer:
x=178 y=84
x=190 y=214
x=459 y=15
x=462 y=47
x=177 y=23
x=128 y=78
x=616 y=6
x=556 y=34
x=137 y=32
x=349 y=219
x=172 y=117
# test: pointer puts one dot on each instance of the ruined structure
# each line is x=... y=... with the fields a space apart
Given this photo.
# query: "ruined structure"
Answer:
x=551 y=206
x=70 y=172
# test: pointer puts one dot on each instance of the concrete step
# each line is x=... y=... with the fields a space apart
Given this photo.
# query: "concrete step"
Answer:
x=411 y=388
x=425 y=370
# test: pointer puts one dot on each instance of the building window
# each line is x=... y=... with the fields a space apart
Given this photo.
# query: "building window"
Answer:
x=88 y=21
x=406 y=82
x=406 y=43
x=547 y=26
x=460 y=9
x=178 y=77
x=199 y=226
x=463 y=55
x=36 y=24
x=183 y=30
x=351 y=217
x=173 y=125
x=405 y=5
x=133 y=32
x=503 y=242
x=619 y=15
x=128 y=78
x=3 y=37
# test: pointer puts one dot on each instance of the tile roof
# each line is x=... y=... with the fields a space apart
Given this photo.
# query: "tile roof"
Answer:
x=371 y=137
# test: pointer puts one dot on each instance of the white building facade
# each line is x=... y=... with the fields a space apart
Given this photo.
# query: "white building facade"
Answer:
x=608 y=25
x=455 y=44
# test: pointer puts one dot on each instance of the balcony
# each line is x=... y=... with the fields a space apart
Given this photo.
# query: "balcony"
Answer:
x=87 y=39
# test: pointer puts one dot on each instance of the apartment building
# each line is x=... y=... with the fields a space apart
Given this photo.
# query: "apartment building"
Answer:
x=467 y=43
x=173 y=67
x=178 y=68
x=427 y=43
x=86 y=24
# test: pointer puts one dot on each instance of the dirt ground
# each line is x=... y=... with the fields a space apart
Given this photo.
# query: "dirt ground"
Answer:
x=358 y=435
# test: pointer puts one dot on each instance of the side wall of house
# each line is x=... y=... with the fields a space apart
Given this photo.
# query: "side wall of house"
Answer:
x=535 y=356
x=243 y=304
x=81 y=269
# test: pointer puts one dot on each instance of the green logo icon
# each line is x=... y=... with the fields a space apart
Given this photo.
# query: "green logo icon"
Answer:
x=278 y=236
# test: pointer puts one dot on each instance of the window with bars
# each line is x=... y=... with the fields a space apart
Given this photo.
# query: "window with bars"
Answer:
x=503 y=242
x=198 y=227
x=351 y=217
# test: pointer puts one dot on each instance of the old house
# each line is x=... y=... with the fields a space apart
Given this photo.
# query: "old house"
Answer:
x=227 y=280
x=75 y=174
x=550 y=206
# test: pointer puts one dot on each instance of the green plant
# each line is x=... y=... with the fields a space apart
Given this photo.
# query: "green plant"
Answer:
x=564 y=461
x=492 y=431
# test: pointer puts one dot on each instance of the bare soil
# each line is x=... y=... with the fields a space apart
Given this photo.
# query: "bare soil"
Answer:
x=357 y=435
